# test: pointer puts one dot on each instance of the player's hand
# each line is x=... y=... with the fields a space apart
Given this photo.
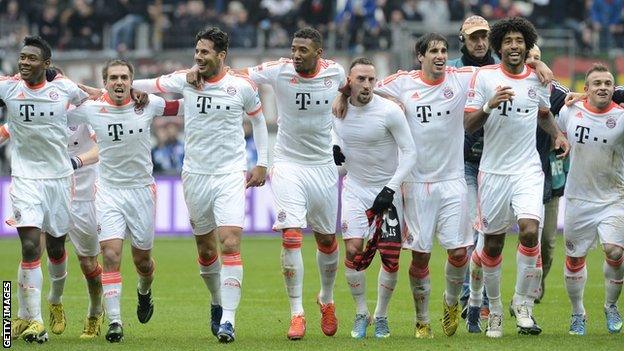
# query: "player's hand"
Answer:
x=193 y=77
x=573 y=97
x=257 y=177
x=502 y=94
x=93 y=93
x=544 y=73
x=339 y=157
x=562 y=146
x=339 y=106
x=140 y=98
x=383 y=201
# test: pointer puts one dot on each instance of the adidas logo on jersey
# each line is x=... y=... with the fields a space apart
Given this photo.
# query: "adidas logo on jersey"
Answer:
x=21 y=95
x=415 y=96
x=103 y=110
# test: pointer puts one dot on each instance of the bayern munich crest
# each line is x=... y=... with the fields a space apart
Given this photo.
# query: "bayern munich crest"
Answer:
x=410 y=239
x=17 y=215
x=53 y=95
x=484 y=222
x=532 y=93
x=281 y=216
x=138 y=111
x=345 y=225
x=611 y=123
x=569 y=245
x=328 y=82
x=231 y=91
x=73 y=128
x=448 y=92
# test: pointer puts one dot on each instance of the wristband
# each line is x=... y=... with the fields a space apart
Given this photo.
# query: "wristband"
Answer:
x=487 y=109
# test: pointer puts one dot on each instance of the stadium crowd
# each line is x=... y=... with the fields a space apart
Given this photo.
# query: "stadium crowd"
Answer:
x=357 y=24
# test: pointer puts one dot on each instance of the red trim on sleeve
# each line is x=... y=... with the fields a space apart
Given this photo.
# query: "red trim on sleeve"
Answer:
x=158 y=86
x=470 y=109
x=171 y=108
x=4 y=132
x=255 y=112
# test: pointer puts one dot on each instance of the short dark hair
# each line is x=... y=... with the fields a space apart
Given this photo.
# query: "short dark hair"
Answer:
x=512 y=24
x=361 y=61
x=219 y=38
x=423 y=42
x=116 y=62
x=37 y=41
x=310 y=33
x=596 y=67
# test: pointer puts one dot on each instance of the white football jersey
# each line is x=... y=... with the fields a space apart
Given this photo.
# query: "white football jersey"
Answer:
x=38 y=119
x=597 y=152
x=304 y=108
x=124 y=138
x=509 y=131
x=81 y=140
x=435 y=113
x=370 y=138
x=213 y=117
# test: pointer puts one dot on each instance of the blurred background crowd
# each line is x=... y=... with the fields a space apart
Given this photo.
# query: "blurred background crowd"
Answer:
x=99 y=28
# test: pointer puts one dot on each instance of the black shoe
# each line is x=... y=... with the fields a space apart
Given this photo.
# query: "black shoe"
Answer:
x=114 y=333
x=216 y=311
x=145 y=307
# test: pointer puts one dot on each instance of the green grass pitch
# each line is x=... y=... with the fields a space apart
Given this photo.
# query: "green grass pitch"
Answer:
x=180 y=320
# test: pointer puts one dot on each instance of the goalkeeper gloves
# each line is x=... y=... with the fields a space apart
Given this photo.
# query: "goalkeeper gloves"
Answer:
x=339 y=157
x=383 y=201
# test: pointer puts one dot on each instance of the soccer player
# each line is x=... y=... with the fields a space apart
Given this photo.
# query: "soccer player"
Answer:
x=369 y=136
x=126 y=192
x=304 y=178
x=594 y=205
x=508 y=101
x=435 y=194
x=83 y=234
x=41 y=175
x=213 y=175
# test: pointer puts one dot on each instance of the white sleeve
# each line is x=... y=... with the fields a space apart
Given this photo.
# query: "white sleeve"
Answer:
x=391 y=85
x=562 y=118
x=261 y=138
x=477 y=94
x=267 y=72
x=78 y=115
x=4 y=84
x=343 y=77
x=398 y=127
x=170 y=83
x=77 y=95
x=251 y=103
x=543 y=93
x=157 y=105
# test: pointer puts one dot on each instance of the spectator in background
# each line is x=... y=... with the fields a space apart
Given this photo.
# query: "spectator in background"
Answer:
x=605 y=16
x=505 y=8
x=363 y=23
x=189 y=18
x=168 y=153
x=13 y=25
x=130 y=14
x=236 y=23
x=316 y=14
x=83 y=28
x=279 y=21
x=427 y=9
x=49 y=25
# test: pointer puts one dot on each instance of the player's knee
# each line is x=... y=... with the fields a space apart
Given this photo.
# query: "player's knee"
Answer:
x=352 y=251
x=574 y=264
x=326 y=242
x=457 y=254
x=31 y=250
x=420 y=259
x=613 y=252
x=111 y=256
x=230 y=245
x=87 y=264
x=493 y=245
x=143 y=264
x=56 y=252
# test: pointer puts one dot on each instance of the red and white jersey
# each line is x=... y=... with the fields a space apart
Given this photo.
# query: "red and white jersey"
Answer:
x=124 y=138
x=81 y=140
x=509 y=131
x=370 y=138
x=597 y=152
x=435 y=113
x=304 y=108
x=214 y=140
x=38 y=119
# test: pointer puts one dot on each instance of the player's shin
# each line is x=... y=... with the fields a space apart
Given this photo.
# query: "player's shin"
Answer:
x=476 y=280
x=455 y=271
x=357 y=285
x=614 y=275
x=327 y=261
x=575 y=274
x=292 y=268
x=420 y=283
x=209 y=270
x=94 y=286
x=57 y=271
x=111 y=287
x=231 y=283
x=491 y=278
x=386 y=283
x=526 y=263
x=30 y=281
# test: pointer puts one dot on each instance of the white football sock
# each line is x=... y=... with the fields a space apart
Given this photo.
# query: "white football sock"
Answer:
x=210 y=271
x=386 y=283
x=231 y=284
